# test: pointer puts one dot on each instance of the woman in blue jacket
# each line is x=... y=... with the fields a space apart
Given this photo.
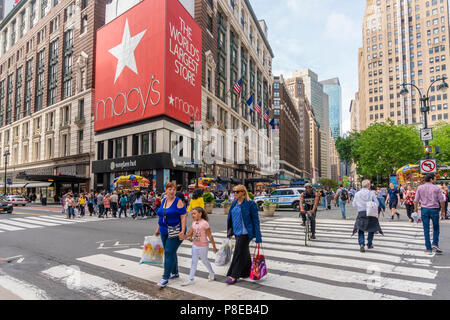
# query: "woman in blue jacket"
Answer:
x=243 y=223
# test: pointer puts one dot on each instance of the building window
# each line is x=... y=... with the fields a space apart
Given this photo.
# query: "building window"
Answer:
x=68 y=61
x=119 y=147
x=80 y=141
x=84 y=23
x=49 y=154
x=40 y=81
x=9 y=97
x=110 y=149
x=153 y=141
x=135 y=146
x=80 y=109
x=43 y=7
x=100 y=150
x=53 y=73
x=145 y=146
x=65 y=147
x=18 y=102
x=28 y=86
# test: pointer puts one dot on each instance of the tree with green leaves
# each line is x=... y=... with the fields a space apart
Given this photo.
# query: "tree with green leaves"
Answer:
x=441 y=138
x=328 y=183
x=346 y=147
x=384 y=147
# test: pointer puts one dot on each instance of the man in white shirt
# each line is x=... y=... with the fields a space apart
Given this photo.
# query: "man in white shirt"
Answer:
x=364 y=223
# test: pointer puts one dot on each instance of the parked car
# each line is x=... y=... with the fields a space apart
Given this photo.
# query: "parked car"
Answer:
x=285 y=197
x=5 y=206
x=16 y=200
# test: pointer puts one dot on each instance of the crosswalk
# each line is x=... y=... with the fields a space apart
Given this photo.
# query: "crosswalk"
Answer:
x=26 y=223
x=331 y=267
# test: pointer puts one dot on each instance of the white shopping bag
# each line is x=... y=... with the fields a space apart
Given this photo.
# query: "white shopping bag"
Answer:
x=372 y=209
x=223 y=256
x=153 y=252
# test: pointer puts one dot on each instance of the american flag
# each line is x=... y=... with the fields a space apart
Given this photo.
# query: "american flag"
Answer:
x=237 y=87
x=258 y=108
x=266 y=116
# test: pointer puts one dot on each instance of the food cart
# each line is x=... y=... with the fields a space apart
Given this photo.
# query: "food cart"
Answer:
x=410 y=174
x=130 y=183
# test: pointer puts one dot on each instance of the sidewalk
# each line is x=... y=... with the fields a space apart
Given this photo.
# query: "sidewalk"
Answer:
x=8 y=295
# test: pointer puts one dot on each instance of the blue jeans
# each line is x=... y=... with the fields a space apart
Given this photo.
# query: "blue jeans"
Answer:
x=101 y=209
x=170 y=255
x=432 y=214
x=71 y=212
x=342 y=206
x=123 y=208
x=361 y=239
x=138 y=208
x=324 y=203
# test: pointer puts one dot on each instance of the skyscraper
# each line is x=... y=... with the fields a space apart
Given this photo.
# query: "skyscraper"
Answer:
x=403 y=41
x=332 y=88
x=319 y=102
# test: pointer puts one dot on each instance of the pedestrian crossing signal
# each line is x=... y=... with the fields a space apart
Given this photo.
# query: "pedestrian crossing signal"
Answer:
x=429 y=149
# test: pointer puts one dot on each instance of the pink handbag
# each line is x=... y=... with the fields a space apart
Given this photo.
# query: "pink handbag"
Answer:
x=259 y=269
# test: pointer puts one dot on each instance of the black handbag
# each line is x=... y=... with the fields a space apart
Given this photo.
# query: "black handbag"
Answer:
x=174 y=231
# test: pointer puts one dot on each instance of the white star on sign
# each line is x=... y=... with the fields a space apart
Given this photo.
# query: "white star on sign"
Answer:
x=171 y=100
x=124 y=52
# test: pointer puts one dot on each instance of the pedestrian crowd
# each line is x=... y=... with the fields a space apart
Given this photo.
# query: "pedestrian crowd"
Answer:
x=136 y=204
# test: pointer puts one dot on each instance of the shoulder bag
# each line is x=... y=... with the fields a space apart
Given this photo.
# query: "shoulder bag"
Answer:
x=174 y=231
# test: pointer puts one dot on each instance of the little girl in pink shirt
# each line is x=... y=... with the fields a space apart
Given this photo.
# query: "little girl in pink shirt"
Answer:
x=199 y=234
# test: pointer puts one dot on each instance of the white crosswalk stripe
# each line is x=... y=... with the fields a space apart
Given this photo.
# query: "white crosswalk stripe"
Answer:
x=330 y=268
x=24 y=223
x=80 y=281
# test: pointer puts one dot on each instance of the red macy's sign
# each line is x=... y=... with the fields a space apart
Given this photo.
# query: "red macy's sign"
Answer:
x=148 y=63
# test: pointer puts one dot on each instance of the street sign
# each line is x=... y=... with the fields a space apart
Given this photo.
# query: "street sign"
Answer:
x=428 y=166
x=9 y=181
x=426 y=134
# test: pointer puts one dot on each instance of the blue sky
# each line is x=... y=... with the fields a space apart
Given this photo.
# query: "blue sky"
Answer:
x=322 y=35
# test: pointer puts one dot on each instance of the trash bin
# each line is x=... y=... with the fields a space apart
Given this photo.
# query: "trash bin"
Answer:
x=44 y=201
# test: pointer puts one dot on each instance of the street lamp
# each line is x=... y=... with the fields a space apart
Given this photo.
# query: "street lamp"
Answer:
x=424 y=100
x=192 y=125
x=6 y=154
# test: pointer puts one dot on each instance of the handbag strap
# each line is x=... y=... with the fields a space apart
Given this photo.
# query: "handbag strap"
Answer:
x=258 y=245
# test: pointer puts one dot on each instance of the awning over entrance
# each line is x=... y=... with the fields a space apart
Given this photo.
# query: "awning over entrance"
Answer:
x=223 y=179
x=27 y=184
x=14 y=185
x=256 y=180
x=38 y=185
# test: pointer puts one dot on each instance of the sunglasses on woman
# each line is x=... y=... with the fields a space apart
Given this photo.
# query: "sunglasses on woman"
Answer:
x=237 y=191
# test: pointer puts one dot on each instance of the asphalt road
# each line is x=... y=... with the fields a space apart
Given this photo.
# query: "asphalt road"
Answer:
x=44 y=254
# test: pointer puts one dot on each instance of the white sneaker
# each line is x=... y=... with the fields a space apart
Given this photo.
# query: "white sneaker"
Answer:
x=187 y=283
x=211 y=277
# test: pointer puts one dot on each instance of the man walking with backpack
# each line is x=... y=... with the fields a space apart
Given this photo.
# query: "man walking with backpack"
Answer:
x=342 y=195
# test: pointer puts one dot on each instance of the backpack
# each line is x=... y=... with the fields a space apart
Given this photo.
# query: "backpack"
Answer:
x=344 y=195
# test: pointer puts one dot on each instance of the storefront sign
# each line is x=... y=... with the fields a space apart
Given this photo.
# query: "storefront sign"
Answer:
x=137 y=163
x=148 y=64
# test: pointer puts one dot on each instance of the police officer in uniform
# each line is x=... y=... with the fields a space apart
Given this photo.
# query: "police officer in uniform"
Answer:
x=309 y=200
